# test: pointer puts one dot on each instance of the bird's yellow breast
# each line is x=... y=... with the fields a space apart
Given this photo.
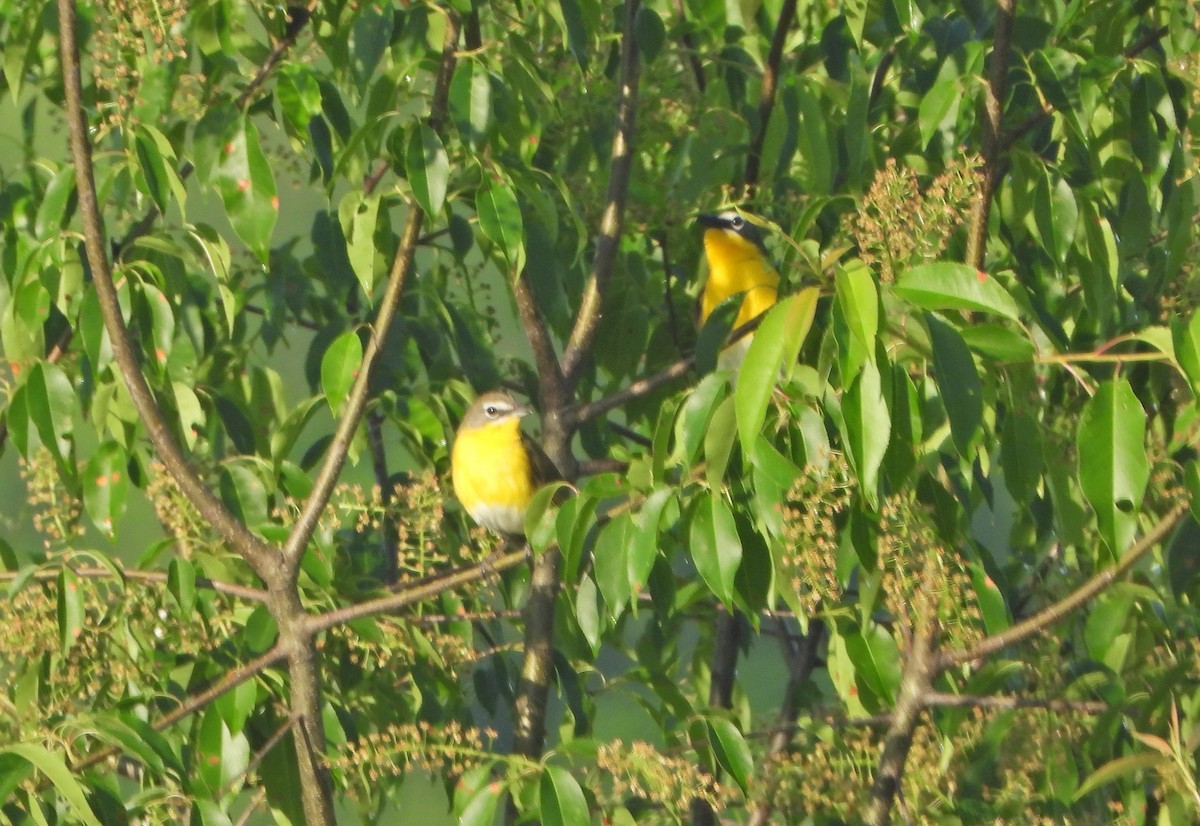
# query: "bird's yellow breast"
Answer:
x=737 y=265
x=491 y=475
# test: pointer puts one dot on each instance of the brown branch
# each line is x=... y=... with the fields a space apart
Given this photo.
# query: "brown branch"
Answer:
x=587 y=321
x=944 y=700
x=668 y=301
x=915 y=684
x=993 y=148
x=157 y=577
x=229 y=681
x=640 y=388
x=416 y=592
x=767 y=93
x=801 y=658
x=689 y=48
x=263 y=558
x=335 y=457
x=1053 y=613
x=551 y=385
x=726 y=640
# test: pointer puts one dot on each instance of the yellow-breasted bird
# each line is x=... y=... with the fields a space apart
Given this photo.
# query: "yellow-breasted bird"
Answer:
x=737 y=263
x=494 y=467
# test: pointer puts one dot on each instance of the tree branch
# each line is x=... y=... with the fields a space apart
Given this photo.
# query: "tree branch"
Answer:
x=335 y=457
x=157 y=577
x=992 y=149
x=263 y=558
x=767 y=93
x=1053 y=613
x=587 y=321
x=944 y=700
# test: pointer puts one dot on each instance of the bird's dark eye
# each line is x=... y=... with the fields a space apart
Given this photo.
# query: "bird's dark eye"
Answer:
x=736 y=222
x=491 y=410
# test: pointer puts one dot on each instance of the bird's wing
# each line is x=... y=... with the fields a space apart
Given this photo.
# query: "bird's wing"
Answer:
x=544 y=470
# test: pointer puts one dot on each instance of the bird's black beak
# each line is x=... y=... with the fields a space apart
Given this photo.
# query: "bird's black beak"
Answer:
x=708 y=219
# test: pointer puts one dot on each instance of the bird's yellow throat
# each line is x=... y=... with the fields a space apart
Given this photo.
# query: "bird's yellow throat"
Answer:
x=737 y=265
x=491 y=474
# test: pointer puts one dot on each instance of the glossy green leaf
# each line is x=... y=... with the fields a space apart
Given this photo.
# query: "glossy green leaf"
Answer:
x=541 y=518
x=649 y=32
x=339 y=368
x=1113 y=467
x=153 y=168
x=732 y=752
x=50 y=401
x=244 y=178
x=1056 y=214
x=776 y=345
x=958 y=380
x=939 y=105
x=471 y=102
x=1021 y=456
x=500 y=221
x=52 y=210
x=181 y=584
x=589 y=612
x=481 y=806
x=428 y=169
x=876 y=660
x=612 y=564
x=1186 y=337
x=358 y=214
x=715 y=546
x=643 y=545
x=1113 y=770
x=718 y=442
x=244 y=493
x=999 y=343
x=55 y=769
x=70 y=609
x=105 y=486
x=866 y=427
x=560 y=800
x=947 y=286
x=858 y=301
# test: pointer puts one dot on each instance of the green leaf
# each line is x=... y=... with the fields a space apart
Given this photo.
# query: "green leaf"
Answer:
x=991 y=601
x=181 y=583
x=859 y=304
x=715 y=332
x=1021 y=456
x=52 y=210
x=105 y=486
x=612 y=564
x=958 y=380
x=541 y=518
x=649 y=32
x=55 y=770
x=776 y=345
x=339 y=368
x=1187 y=349
x=876 y=660
x=939 y=105
x=243 y=492
x=1113 y=468
x=1056 y=215
x=718 y=442
x=947 y=286
x=481 y=806
x=153 y=169
x=70 y=609
x=358 y=214
x=1118 y=768
x=715 y=545
x=500 y=221
x=471 y=102
x=560 y=800
x=50 y=400
x=999 y=343
x=428 y=169
x=643 y=545
x=866 y=427
x=243 y=177
x=732 y=751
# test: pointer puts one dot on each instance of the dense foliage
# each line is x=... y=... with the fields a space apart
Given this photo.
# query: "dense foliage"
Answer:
x=930 y=551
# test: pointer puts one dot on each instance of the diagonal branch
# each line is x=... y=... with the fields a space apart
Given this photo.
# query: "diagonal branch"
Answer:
x=587 y=321
x=1053 y=613
x=263 y=558
x=770 y=88
x=356 y=401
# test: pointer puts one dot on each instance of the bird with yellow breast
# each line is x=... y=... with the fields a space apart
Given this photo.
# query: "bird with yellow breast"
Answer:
x=737 y=265
x=494 y=467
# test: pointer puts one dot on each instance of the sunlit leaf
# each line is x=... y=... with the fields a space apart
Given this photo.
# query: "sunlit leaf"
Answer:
x=1113 y=468
x=947 y=286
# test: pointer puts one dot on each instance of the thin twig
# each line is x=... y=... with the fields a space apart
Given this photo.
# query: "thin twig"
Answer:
x=942 y=699
x=767 y=93
x=156 y=577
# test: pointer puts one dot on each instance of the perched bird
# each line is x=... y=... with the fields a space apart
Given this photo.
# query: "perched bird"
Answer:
x=737 y=263
x=494 y=467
